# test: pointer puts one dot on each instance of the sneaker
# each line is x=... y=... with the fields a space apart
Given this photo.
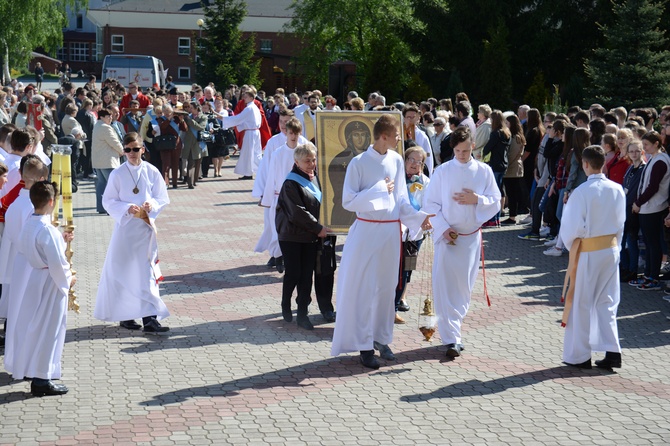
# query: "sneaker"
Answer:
x=551 y=241
x=637 y=282
x=553 y=252
x=666 y=290
x=650 y=285
x=665 y=268
x=666 y=297
x=489 y=224
x=527 y=220
x=509 y=221
x=544 y=231
x=529 y=236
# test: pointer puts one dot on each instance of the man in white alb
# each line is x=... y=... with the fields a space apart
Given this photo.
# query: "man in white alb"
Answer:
x=249 y=123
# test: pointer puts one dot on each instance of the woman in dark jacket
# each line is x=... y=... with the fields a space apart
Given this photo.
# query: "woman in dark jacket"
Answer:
x=495 y=153
x=171 y=124
x=298 y=231
x=631 y=184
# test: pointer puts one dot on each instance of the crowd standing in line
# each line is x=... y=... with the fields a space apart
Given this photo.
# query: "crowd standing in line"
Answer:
x=460 y=173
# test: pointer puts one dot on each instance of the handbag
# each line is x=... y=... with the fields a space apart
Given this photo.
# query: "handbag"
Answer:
x=326 y=262
x=165 y=142
x=410 y=251
x=205 y=136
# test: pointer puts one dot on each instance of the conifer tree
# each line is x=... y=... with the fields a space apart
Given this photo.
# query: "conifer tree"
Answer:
x=633 y=69
x=225 y=57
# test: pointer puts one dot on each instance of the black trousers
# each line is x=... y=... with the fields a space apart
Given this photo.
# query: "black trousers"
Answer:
x=537 y=214
x=515 y=197
x=652 y=230
x=299 y=262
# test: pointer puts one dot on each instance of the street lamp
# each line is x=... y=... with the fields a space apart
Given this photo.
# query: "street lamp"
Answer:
x=200 y=23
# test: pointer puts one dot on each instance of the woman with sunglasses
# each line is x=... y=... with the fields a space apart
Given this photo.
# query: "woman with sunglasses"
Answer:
x=134 y=196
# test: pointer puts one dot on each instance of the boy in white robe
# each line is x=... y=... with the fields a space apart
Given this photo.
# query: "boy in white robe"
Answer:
x=464 y=195
x=37 y=333
x=134 y=197
x=249 y=122
x=12 y=263
x=592 y=228
x=273 y=144
x=371 y=255
x=280 y=166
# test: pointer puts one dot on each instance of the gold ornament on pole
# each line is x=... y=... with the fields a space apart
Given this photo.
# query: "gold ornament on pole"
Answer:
x=62 y=156
x=427 y=317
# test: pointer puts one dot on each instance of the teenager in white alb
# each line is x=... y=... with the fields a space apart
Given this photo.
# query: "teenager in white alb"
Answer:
x=374 y=188
x=249 y=123
x=134 y=196
x=592 y=229
x=36 y=333
x=464 y=195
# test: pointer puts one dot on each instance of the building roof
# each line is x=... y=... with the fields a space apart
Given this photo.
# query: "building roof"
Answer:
x=255 y=8
x=262 y=15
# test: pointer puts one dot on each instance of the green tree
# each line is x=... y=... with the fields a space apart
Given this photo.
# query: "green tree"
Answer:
x=496 y=71
x=538 y=93
x=370 y=33
x=30 y=24
x=633 y=68
x=225 y=56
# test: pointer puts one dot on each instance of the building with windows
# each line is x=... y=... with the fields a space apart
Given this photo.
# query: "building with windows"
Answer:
x=168 y=29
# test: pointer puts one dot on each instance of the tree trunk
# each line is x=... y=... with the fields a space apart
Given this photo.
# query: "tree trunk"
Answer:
x=5 y=76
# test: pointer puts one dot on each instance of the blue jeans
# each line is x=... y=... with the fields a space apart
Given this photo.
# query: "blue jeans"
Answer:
x=100 y=185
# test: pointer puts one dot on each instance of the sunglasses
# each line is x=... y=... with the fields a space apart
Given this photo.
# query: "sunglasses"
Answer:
x=132 y=149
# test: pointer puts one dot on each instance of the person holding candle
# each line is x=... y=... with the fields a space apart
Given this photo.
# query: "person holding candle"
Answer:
x=134 y=197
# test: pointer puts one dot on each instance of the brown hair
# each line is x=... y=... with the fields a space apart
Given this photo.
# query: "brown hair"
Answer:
x=385 y=125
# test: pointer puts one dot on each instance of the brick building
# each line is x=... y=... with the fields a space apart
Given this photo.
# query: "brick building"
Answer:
x=168 y=29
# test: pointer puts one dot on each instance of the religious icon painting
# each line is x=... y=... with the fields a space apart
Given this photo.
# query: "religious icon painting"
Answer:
x=340 y=136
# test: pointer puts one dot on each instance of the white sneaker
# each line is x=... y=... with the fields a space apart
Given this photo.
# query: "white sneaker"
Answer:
x=544 y=231
x=553 y=252
x=666 y=298
x=527 y=220
x=665 y=268
x=551 y=242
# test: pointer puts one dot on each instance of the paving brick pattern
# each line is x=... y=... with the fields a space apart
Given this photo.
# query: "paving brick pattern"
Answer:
x=232 y=372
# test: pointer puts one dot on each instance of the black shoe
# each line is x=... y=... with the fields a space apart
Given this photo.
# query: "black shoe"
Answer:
x=279 y=262
x=368 y=359
x=49 y=389
x=454 y=350
x=611 y=361
x=271 y=263
x=583 y=365
x=402 y=306
x=287 y=314
x=384 y=351
x=509 y=221
x=329 y=316
x=2 y=341
x=246 y=177
x=130 y=325
x=154 y=327
x=304 y=322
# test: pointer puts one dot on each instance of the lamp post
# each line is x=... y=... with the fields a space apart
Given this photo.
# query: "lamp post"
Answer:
x=200 y=23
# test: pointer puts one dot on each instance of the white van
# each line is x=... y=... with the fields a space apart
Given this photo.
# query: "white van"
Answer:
x=146 y=71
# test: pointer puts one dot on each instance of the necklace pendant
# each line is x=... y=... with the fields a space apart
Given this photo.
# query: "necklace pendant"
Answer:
x=136 y=190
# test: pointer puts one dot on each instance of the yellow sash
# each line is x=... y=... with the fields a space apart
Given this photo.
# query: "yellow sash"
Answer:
x=578 y=246
x=310 y=125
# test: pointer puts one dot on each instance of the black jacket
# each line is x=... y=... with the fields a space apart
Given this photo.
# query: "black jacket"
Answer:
x=498 y=146
x=298 y=211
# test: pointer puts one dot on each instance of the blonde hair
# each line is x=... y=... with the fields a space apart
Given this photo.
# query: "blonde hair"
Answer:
x=304 y=150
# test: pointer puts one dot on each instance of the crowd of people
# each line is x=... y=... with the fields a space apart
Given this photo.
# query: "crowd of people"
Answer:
x=462 y=171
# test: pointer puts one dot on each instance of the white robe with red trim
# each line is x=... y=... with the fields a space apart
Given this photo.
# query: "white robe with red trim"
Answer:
x=129 y=283
x=368 y=273
x=455 y=267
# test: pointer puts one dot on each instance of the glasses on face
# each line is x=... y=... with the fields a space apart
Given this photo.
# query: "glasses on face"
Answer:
x=413 y=161
x=549 y=127
x=132 y=149
x=438 y=125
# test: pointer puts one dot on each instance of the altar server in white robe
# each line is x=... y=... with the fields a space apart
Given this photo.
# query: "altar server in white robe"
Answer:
x=280 y=166
x=592 y=228
x=273 y=144
x=374 y=188
x=463 y=193
x=36 y=336
x=31 y=170
x=249 y=123
x=134 y=196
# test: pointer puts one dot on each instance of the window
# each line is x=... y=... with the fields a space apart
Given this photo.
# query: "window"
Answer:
x=62 y=53
x=79 y=51
x=184 y=73
x=266 y=45
x=80 y=21
x=117 y=44
x=184 y=46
